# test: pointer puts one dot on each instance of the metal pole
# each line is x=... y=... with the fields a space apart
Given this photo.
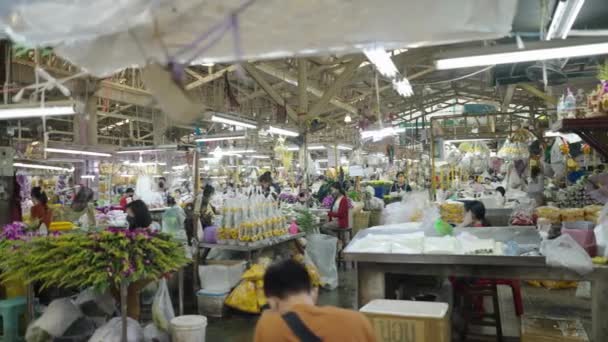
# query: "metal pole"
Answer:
x=180 y=277
x=196 y=218
x=31 y=315
x=123 y=305
x=432 y=162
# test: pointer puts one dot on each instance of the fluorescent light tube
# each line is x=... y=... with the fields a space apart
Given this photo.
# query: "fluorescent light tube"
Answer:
x=281 y=131
x=88 y=177
x=316 y=147
x=35 y=112
x=523 y=56
x=42 y=167
x=234 y=122
x=239 y=151
x=403 y=87
x=382 y=61
x=220 y=138
x=79 y=152
x=563 y=18
x=259 y=156
x=322 y=160
x=463 y=140
x=344 y=148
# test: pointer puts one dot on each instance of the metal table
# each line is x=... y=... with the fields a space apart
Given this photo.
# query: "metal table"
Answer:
x=250 y=250
x=371 y=269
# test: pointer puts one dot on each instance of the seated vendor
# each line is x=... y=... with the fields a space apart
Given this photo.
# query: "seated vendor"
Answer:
x=475 y=215
x=400 y=184
x=338 y=214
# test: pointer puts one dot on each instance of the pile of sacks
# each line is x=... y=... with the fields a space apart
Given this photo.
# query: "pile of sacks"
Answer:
x=94 y=317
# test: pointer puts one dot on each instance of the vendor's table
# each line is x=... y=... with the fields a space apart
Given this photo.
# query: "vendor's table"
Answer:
x=371 y=269
x=249 y=250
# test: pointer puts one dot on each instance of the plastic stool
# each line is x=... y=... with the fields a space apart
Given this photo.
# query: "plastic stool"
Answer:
x=10 y=311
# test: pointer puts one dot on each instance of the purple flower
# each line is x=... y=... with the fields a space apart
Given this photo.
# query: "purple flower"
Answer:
x=327 y=202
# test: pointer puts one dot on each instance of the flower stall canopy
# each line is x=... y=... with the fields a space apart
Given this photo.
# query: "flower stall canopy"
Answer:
x=104 y=36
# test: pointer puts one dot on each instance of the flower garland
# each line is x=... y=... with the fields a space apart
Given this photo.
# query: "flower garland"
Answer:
x=100 y=260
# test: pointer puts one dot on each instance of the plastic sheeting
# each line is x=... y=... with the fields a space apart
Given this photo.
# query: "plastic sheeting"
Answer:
x=106 y=35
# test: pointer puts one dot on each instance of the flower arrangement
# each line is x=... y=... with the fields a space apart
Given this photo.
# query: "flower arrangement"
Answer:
x=327 y=202
x=100 y=260
x=288 y=198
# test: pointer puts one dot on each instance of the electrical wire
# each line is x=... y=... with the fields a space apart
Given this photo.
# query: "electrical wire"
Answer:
x=457 y=78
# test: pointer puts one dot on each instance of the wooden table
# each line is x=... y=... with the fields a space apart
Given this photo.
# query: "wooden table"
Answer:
x=371 y=269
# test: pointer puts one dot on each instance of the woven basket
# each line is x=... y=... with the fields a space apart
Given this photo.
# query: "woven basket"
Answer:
x=360 y=221
x=374 y=218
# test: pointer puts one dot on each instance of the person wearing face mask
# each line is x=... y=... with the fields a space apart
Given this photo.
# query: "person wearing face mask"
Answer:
x=138 y=215
x=338 y=214
x=268 y=187
x=293 y=315
x=400 y=184
x=126 y=198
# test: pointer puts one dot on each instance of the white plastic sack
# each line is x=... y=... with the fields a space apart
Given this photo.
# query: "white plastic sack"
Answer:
x=162 y=308
x=583 y=290
x=112 y=331
x=601 y=233
x=565 y=252
x=322 y=251
x=55 y=320
x=153 y=334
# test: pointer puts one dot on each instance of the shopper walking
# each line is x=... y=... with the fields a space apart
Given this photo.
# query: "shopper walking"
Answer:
x=41 y=211
x=293 y=315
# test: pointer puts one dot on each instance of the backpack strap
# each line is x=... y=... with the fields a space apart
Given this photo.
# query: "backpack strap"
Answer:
x=299 y=329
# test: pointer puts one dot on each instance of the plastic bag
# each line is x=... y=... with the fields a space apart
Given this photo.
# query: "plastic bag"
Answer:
x=153 y=334
x=112 y=331
x=322 y=251
x=523 y=215
x=173 y=223
x=54 y=322
x=244 y=297
x=566 y=252
x=162 y=309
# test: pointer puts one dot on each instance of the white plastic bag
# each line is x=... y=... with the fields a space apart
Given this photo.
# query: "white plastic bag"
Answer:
x=565 y=252
x=55 y=320
x=112 y=331
x=153 y=334
x=322 y=251
x=601 y=233
x=162 y=308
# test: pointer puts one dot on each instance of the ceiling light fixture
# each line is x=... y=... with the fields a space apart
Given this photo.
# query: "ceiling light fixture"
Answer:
x=382 y=61
x=258 y=156
x=519 y=56
x=234 y=121
x=35 y=112
x=563 y=18
x=282 y=131
x=42 y=167
x=220 y=138
x=348 y=119
x=403 y=87
x=344 y=148
x=91 y=177
x=79 y=152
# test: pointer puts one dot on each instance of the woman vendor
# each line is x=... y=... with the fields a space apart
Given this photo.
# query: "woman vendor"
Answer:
x=338 y=214
x=41 y=211
x=475 y=215
x=81 y=205
x=268 y=187
x=400 y=184
x=207 y=210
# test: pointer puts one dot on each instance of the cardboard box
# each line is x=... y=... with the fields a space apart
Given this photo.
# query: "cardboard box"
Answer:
x=548 y=329
x=409 y=321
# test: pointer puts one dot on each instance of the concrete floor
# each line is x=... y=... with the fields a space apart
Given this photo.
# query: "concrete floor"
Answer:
x=238 y=327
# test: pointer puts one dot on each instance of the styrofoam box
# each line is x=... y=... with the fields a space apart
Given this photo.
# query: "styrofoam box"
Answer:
x=401 y=320
x=221 y=275
x=211 y=303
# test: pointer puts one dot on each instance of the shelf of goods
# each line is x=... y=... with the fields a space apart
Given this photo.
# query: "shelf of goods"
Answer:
x=591 y=130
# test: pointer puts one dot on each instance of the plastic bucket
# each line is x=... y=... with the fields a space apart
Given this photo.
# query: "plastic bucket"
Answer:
x=190 y=328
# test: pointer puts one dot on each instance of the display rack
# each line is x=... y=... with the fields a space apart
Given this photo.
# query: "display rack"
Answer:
x=594 y=131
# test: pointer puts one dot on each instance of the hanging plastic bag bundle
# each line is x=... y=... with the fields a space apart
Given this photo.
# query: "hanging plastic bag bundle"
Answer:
x=162 y=308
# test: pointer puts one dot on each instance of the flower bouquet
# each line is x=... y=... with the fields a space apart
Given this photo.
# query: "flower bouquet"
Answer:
x=100 y=260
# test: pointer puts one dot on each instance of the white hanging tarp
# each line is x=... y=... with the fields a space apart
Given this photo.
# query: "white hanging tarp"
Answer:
x=103 y=36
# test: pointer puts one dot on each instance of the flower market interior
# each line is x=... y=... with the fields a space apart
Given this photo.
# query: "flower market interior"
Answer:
x=328 y=170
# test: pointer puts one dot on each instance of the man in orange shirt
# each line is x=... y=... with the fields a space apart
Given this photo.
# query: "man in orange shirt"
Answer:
x=294 y=317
